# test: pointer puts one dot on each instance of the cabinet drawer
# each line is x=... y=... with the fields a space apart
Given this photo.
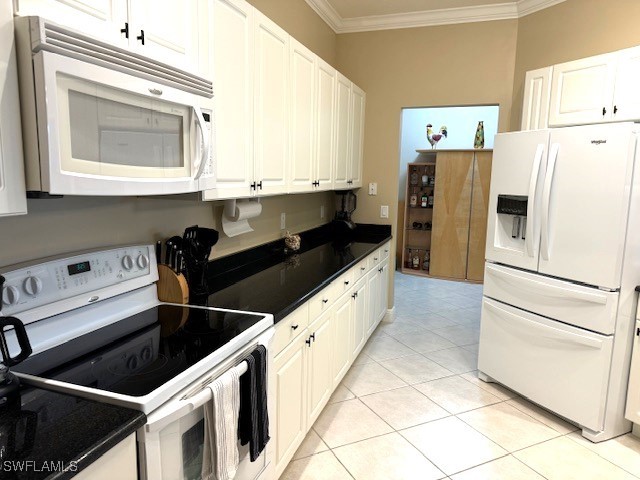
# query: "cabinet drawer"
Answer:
x=345 y=282
x=290 y=327
x=562 y=368
x=374 y=258
x=384 y=251
x=360 y=270
x=322 y=301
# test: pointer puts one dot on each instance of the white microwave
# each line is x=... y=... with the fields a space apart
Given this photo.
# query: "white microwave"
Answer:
x=101 y=120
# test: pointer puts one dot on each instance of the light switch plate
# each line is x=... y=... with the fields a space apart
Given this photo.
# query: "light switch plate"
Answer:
x=373 y=189
x=384 y=211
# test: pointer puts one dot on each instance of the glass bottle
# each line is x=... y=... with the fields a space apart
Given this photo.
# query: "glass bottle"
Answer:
x=413 y=200
x=416 y=260
x=414 y=177
x=426 y=260
x=424 y=199
x=430 y=200
x=409 y=260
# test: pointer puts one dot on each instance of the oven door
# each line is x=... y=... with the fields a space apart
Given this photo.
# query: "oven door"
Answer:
x=104 y=132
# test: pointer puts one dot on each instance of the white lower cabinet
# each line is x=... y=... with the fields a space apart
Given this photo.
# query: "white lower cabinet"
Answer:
x=359 y=313
x=319 y=365
x=342 y=320
x=121 y=460
x=373 y=287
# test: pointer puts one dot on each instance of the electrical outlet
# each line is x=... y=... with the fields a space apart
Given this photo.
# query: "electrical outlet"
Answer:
x=283 y=221
x=373 y=189
x=384 y=211
x=321 y=212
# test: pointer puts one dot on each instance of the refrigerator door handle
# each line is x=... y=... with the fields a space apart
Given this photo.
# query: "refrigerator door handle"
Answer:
x=533 y=186
x=546 y=200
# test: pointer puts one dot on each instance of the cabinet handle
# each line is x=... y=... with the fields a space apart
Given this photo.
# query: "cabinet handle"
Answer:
x=380 y=270
x=313 y=336
x=253 y=186
x=346 y=282
x=362 y=268
x=308 y=341
x=386 y=251
x=638 y=332
x=141 y=37
x=354 y=295
x=604 y=111
x=259 y=185
x=294 y=327
x=615 y=109
x=375 y=258
x=325 y=300
x=125 y=30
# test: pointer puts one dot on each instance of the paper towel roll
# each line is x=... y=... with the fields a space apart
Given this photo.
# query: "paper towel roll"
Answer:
x=236 y=215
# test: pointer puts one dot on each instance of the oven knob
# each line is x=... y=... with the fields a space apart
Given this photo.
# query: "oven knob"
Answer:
x=127 y=262
x=132 y=363
x=32 y=285
x=10 y=295
x=146 y=354
x=143 y=261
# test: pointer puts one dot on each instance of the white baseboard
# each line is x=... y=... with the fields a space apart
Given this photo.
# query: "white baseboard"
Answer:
x=390 y=316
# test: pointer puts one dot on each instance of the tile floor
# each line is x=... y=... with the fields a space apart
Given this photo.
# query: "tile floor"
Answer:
x=412 y=407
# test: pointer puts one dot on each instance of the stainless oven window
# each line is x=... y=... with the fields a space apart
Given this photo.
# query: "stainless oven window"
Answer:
x=192 y=452
x=105 y=131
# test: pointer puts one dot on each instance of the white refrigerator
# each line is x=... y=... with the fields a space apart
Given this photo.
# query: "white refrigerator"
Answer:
x=562 y=263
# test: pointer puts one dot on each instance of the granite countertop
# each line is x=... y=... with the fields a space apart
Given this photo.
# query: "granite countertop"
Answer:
x=267 y=280
x=48 y=431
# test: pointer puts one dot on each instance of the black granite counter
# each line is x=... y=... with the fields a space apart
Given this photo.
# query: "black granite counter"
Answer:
x=49 y=432
x=269 y=280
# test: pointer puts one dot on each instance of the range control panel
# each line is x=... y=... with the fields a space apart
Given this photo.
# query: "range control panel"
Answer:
x=50 y=281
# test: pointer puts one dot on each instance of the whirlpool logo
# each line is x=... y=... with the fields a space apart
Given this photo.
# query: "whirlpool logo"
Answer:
x=598 y=142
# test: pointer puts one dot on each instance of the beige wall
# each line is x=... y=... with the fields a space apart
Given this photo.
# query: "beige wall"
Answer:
x=302 y=23
x=71 y=224
x=466 y=64
x=569 y=31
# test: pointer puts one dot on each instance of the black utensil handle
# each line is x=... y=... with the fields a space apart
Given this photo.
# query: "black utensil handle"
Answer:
x=23 y=341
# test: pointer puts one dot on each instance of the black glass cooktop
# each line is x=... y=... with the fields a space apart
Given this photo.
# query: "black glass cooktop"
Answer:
x=140 y=353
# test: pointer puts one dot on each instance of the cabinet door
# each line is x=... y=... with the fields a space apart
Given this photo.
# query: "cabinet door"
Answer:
x=582 y=91
x=537 y=93
x=13 y=199
x=359 y=325
x=101 y=19
x=343 y=133
x=373 y=302
x=633 y=394
x=325 y=122
x=166 y=30
x=383 y=290
x=233 y=49
x=357 y=136
x=342 y=326
x=303 y=125
x=626 y=95
x=271 y=93
x=290 y=392
x=478 y=219
x=319 y=368
x=451 y=207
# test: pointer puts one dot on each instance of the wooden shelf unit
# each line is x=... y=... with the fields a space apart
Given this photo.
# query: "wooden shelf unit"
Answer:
x=458 y=216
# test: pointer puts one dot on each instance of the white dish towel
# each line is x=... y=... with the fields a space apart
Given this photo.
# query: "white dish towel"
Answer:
x=220 y=449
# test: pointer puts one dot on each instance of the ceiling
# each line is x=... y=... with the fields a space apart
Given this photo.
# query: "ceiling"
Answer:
x=345 y=16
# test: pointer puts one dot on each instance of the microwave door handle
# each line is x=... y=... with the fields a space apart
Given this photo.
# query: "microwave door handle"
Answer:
x=205 y=142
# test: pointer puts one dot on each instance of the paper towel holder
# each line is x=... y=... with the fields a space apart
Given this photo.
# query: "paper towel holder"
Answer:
x=230 y=207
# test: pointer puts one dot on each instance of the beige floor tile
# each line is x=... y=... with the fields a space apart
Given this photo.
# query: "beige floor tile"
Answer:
x=371 y=378
x=508 y=427
x=624 y=451
x=472 y=348
x=311 y=445
x=498 y=390
x=340 y=394
x=431 y=321
x=323 y=466
x=544 y=416
x=403 y=407
x=415 y=369
x=456 y=395
x=401 y=328
x=425 y=342
x=386 y=348
x=347 y=422
x=389 y=457
x=451 y=445
x=564 y=459
x=456 y=359
x=363 y=358
x=460 y=335
x=505 y=468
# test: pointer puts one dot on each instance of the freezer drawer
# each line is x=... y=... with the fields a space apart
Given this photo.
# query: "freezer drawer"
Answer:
x=562 y=368
x=584 y=307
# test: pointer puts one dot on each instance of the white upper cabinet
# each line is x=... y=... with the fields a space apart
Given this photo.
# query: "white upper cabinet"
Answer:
x=164 y=30
x=233 y=60
x=303 y=118
x=537 y=93
x=271 y=117
x=582 y=90
x=357 y=136
x=342 y=132
x=13 y=200
x=325 y=125
x=626 y=94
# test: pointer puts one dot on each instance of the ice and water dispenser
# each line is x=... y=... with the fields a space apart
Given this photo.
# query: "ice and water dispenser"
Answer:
x=511 y=225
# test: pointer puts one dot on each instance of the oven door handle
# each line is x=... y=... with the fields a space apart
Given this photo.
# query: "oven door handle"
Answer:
x=205 y=142
x=178 y=408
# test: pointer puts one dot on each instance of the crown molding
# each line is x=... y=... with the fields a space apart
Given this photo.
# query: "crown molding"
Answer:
x=427 y=18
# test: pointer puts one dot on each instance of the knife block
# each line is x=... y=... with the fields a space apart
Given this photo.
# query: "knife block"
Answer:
x=172 y=286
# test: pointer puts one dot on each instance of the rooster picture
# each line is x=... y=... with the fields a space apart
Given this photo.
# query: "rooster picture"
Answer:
x=434 y=138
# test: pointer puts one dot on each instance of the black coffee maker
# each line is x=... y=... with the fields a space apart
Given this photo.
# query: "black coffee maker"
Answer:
x=9 y=383
x=346 y=202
